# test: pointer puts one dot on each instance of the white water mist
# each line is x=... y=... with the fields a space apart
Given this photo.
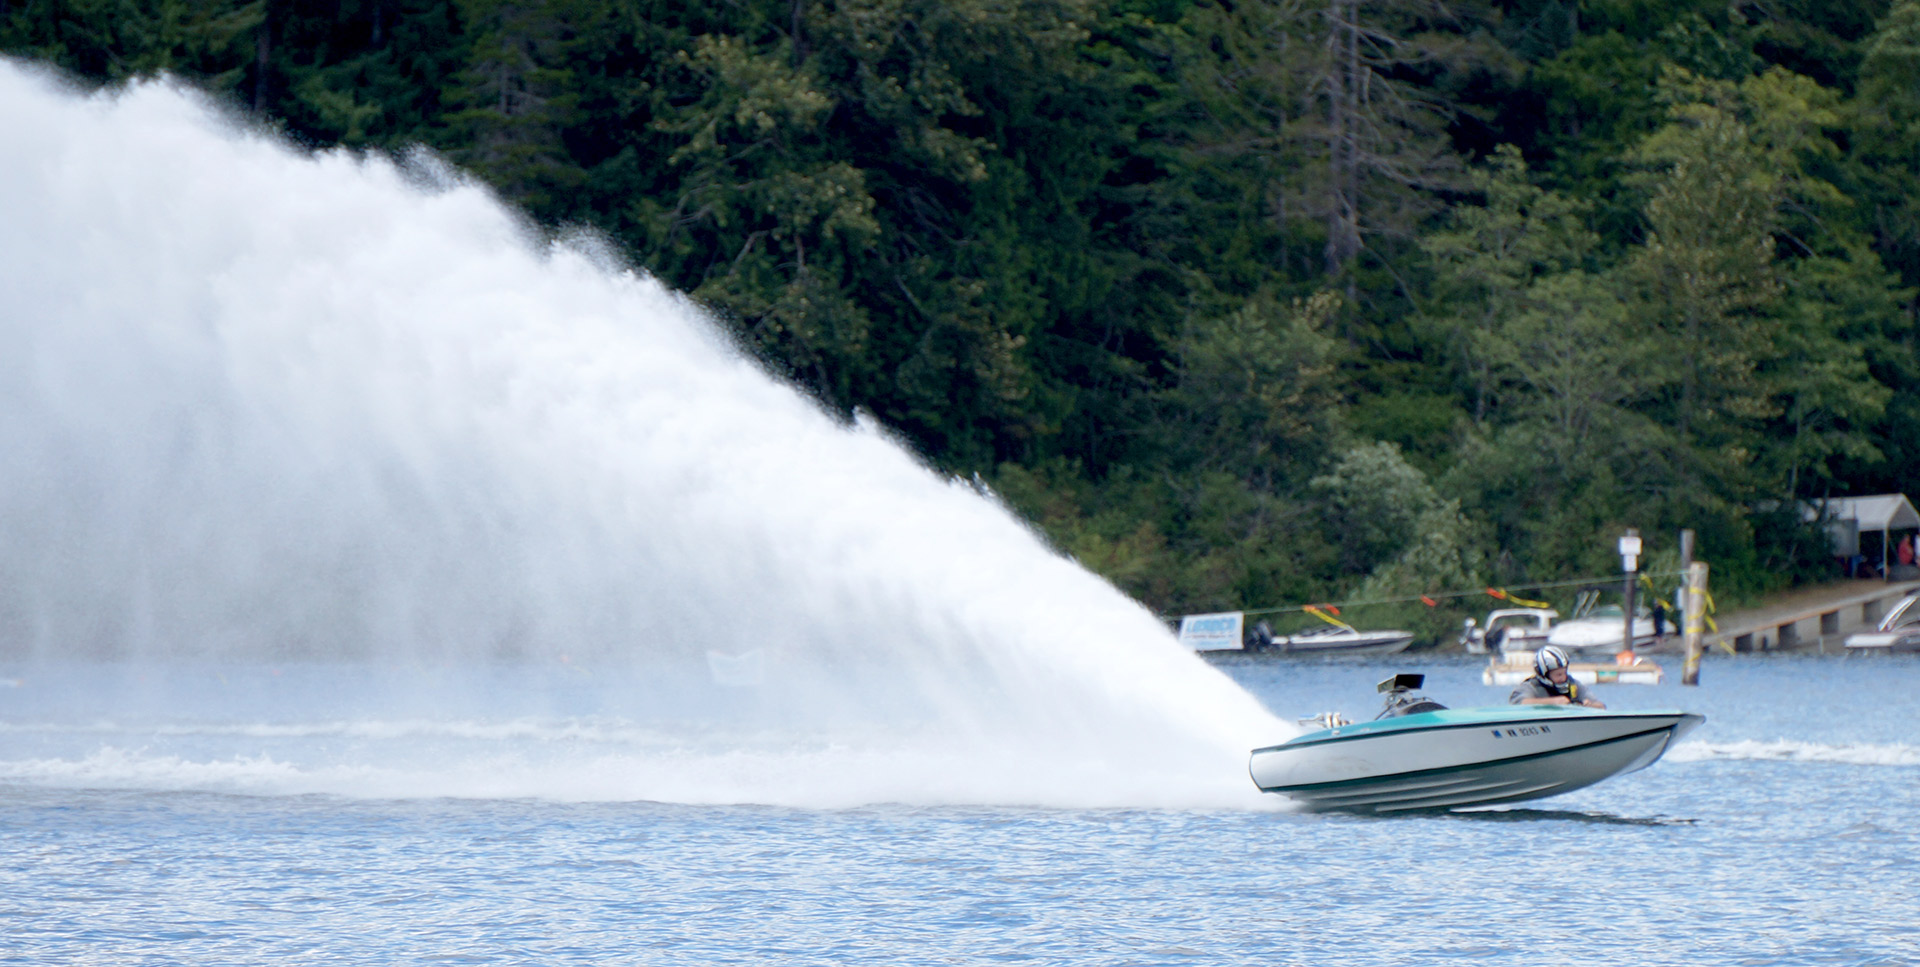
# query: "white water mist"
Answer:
x=258 y=405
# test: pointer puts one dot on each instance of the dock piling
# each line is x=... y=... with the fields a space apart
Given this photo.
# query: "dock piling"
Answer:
x=1694 y=609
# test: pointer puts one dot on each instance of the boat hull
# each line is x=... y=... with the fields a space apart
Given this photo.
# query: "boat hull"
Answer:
x=1464 y=757
x=1376 y=644
x=1582 y=636
x=1891 y=642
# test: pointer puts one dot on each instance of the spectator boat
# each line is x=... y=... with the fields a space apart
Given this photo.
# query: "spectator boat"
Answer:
x=1599 y=631
x=1419 y=754
x=1331 y=640
x=1517 y=630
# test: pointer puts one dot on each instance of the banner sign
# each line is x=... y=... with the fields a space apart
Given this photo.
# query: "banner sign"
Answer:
x=1212 y=632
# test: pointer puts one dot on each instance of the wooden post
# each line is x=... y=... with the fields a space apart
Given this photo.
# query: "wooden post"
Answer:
x=1680 y=592
x=1695 y=607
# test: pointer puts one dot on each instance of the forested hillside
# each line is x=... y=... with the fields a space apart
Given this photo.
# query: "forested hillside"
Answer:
x=1243 y=302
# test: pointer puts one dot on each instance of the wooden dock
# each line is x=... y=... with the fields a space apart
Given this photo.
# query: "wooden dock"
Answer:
x=1810 y=621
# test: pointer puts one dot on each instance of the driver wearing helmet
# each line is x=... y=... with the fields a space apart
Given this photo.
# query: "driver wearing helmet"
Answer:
x=1551 y=684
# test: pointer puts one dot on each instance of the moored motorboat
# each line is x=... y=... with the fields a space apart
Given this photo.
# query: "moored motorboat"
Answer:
x=1600 y=631
x=1513 y=630
x=1341 y=640
x=1421 y=755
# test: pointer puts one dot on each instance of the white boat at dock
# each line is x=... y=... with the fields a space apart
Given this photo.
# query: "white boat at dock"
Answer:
x=1898 y=632
x=1510 y=629
x=1599 y=631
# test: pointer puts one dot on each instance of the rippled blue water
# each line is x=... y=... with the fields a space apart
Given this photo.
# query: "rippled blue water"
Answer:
x=1782 y=832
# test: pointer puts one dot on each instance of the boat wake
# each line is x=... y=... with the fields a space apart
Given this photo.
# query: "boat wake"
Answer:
x=595 y=762
x=376 y=730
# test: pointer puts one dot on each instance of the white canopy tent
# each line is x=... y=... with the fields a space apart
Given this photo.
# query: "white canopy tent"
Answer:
x=1849 y=517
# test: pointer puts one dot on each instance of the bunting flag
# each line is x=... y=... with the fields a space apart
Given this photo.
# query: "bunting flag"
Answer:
x=1646 y=581
x=1321 y=611
x=1505 y=595
x=1429 y=602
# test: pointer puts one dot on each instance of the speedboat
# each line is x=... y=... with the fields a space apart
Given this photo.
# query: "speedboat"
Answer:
x=1332 y=640
x=1419 y=754
x=1897 y=633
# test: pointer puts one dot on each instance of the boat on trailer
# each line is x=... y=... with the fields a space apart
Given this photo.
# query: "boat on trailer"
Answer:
x=1421 y=755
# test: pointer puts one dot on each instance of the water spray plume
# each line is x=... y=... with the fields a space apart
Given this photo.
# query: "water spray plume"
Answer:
x=263 y=406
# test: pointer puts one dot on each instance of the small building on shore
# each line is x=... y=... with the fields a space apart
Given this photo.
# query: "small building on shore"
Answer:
x=1878 y=522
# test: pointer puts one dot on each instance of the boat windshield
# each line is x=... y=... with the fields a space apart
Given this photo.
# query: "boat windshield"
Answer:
x=1902 y=615
x=1517 y=622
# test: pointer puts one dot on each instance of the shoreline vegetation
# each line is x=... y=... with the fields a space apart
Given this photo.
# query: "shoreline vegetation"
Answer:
x=1242 y=303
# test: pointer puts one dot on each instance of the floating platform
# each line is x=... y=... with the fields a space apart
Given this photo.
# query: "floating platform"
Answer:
x=1641 y=672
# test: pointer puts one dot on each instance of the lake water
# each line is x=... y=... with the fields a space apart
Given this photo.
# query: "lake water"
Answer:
x=321 y=815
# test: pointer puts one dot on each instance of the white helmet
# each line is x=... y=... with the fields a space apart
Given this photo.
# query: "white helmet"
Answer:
x=1547 y=659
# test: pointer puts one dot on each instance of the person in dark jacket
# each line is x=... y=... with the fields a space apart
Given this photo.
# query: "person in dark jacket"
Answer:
x=1551 y=683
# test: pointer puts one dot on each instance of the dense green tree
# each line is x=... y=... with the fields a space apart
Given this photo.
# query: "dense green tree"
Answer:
x=1337 y=112
x=1556 y=361
x=1884 y=126
x=210 y=40
x=1257 y=395
x=516 y=94
x=1486 y=257
x=1708 y=274
x=1749 y=252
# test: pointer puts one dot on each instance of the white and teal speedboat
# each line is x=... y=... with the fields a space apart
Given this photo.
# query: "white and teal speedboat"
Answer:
x=1421 y=755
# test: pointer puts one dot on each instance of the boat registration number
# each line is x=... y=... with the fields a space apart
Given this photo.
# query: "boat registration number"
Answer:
x=1521 y=730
